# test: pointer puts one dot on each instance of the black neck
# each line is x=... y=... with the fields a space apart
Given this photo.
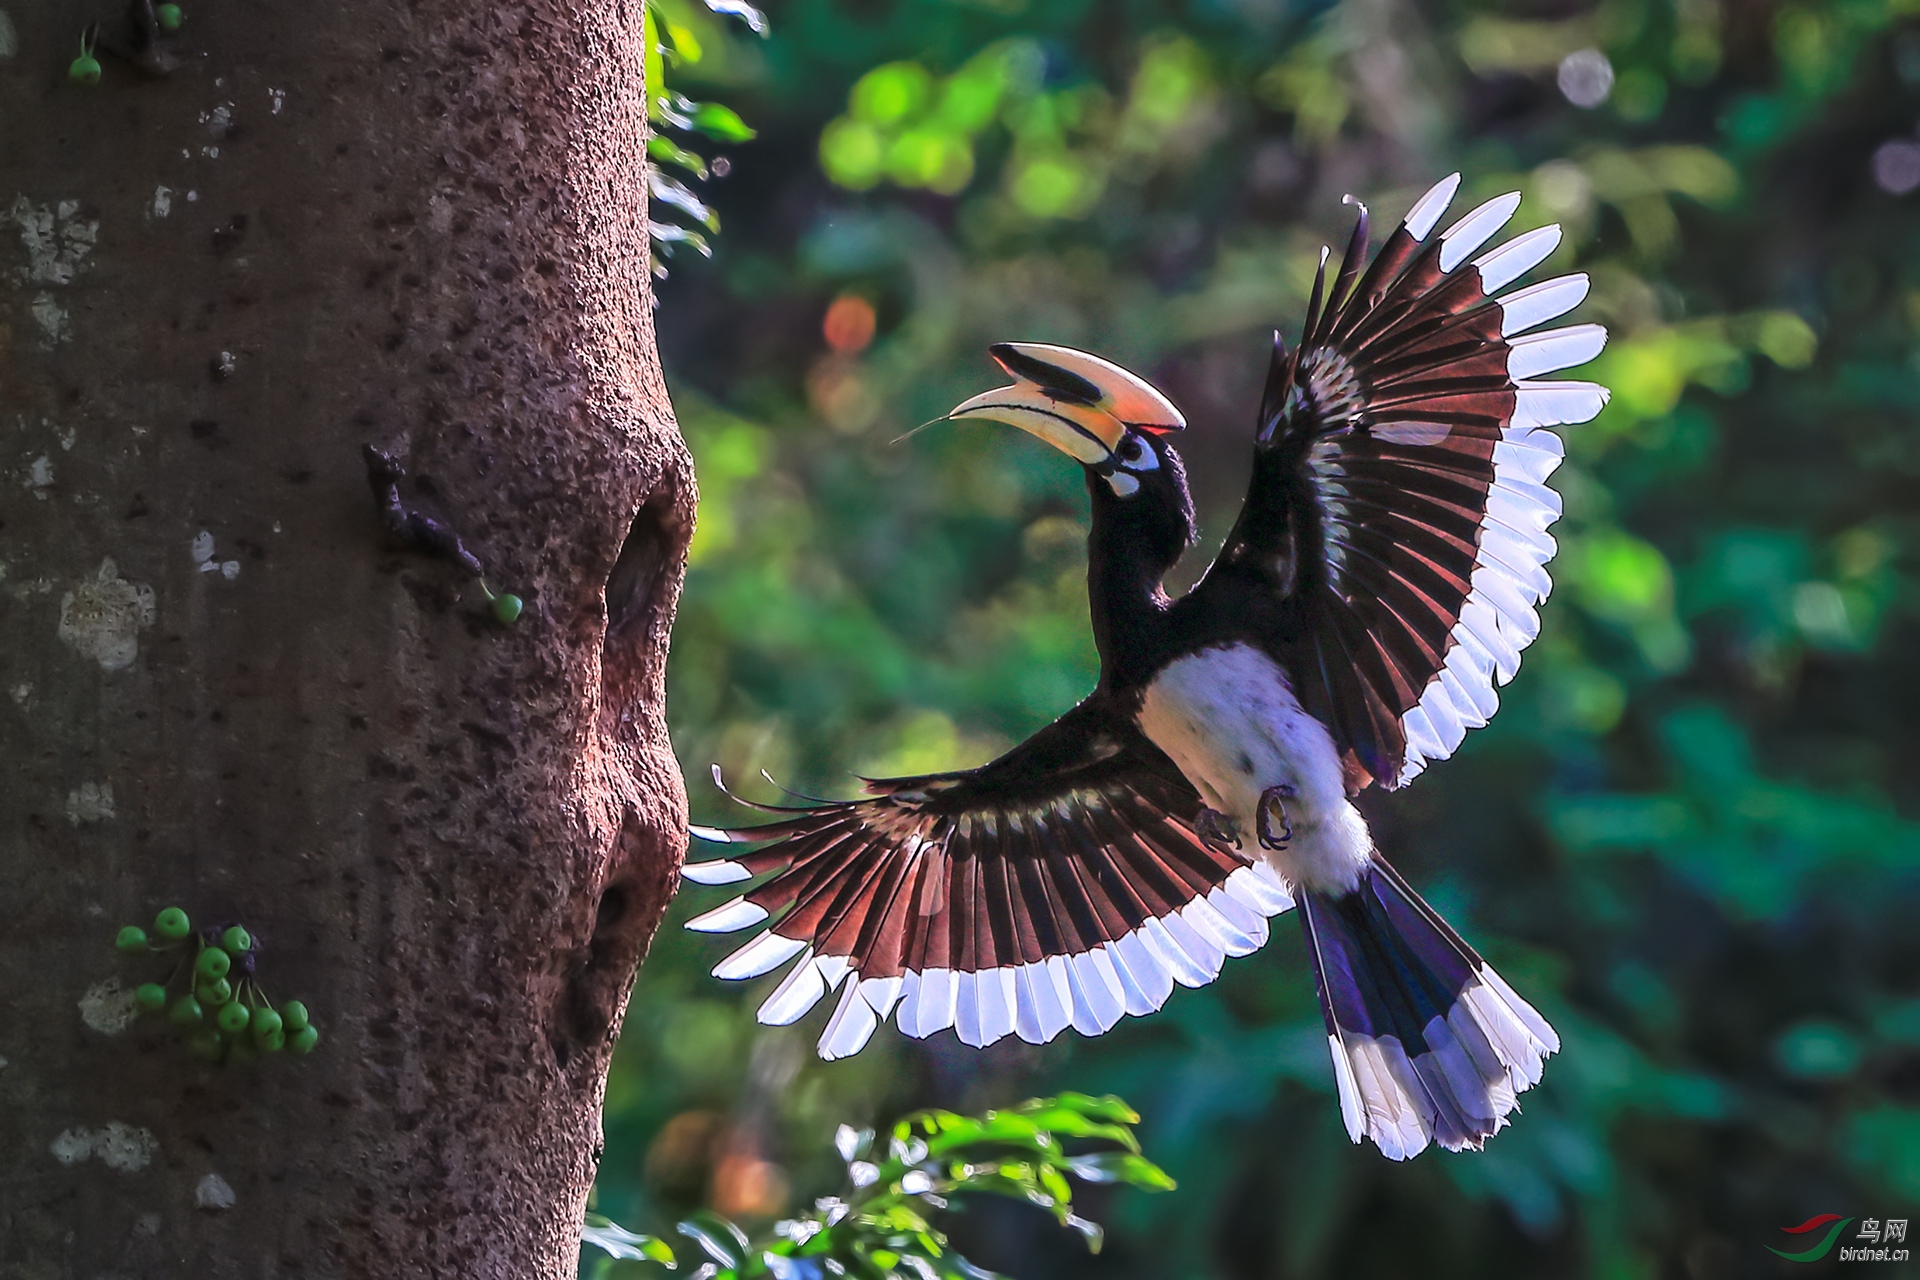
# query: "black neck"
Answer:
x=1131 y=546
x=1128 y=603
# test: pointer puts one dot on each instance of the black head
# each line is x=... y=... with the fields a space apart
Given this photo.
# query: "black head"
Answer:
x=1142 y=510
x=1115 y=425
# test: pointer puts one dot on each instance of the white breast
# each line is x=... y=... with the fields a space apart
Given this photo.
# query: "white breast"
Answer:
x=1229 y=718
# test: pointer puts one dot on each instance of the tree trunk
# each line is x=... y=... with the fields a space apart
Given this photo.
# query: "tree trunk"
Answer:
x=231 y=687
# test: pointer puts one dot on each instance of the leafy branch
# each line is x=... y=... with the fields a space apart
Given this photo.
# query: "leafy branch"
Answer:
x=880 y=1229
x=671 y=40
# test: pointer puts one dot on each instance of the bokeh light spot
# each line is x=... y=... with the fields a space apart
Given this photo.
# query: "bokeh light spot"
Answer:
x=1049 y=186
x=1817 y=1050
x=852 y=152
x=849 y=324
x=744 y=1185
x=1896 y=166
x=1586 y=77
x=889 y=94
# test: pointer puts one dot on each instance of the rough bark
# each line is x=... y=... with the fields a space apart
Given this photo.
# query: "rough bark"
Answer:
x=414 y=225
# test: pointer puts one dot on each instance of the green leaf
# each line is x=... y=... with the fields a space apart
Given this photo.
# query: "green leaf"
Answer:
x=936 y=1122
x=1060 y=1120
x=1000 y=1126
x=666 y=233
x=605 y=1234
x=674 y=110
x=686 y=45
x=668 y=191
x=721 y=123
x=653 y=65
x=1091 y=1230
x=724 y=1242
x=1055 y=1185
x=666 y=151
x=1107 y=1108
x=740 y=9
x=905 y=1218
x=1120 y=1166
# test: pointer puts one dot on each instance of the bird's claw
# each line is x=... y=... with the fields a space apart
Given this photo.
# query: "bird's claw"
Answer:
x=1217 y=828
x=1272 y=800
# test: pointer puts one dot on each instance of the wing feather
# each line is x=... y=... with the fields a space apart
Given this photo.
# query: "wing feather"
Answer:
x=1405 y=519
x=996 y=901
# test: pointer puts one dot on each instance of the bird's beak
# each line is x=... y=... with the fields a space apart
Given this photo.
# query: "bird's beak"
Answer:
x=1078 y=403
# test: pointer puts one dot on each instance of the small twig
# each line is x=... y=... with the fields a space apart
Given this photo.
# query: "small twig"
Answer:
x=408 y=526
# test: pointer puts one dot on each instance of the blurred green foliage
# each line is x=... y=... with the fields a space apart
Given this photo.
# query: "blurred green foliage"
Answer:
x=1691 y=834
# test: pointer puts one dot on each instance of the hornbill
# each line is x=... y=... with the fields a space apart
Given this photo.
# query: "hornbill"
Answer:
x=1380 y=580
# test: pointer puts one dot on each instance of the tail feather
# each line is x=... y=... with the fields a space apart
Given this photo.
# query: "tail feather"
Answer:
x=1429 y=1044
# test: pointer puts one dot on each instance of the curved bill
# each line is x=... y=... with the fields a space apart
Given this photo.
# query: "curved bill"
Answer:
x=1076 y=402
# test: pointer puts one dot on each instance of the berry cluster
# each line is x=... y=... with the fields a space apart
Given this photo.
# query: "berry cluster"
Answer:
x=211 y=997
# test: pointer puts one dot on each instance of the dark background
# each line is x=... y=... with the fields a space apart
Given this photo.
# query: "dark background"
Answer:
x=1690 y=835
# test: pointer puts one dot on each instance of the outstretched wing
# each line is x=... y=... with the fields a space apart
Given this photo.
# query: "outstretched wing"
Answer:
x=1399 y=501
x=1065 y=883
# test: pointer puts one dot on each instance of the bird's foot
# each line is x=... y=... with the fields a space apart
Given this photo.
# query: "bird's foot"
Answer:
x=1218 y=829
x=1273 y=800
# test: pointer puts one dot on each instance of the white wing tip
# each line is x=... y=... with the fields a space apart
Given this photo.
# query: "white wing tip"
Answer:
x=710 y=873
x=1427 y=209
x=767 y=951
x=1475 y=229
x=1550 y=404
x=851 y=1026
x=1497 y=211
x=1502 y=266
x=1539 y=303
x=727 y=917
x=1549 y=350
x=798 y=992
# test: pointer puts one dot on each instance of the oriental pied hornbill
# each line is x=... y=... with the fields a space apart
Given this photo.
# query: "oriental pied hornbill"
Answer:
x=1381 y=579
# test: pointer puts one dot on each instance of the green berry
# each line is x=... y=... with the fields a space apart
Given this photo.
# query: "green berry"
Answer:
x=506 y=608
x=215 y=993
x=212 y=963
x=265 y=1022
x=303 y=1040
x=172 y=924
x=131 y=939
x=185 y=1014
x=236 y=941
x=272 y=1042
x=168 y=16
x=84 y=69
x=150 y=996
x=233 y=1018
x=207 y=1045
x=294 y=1016
x=240 y=1052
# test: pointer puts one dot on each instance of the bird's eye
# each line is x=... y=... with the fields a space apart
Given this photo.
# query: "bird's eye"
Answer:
x=1136 y=456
